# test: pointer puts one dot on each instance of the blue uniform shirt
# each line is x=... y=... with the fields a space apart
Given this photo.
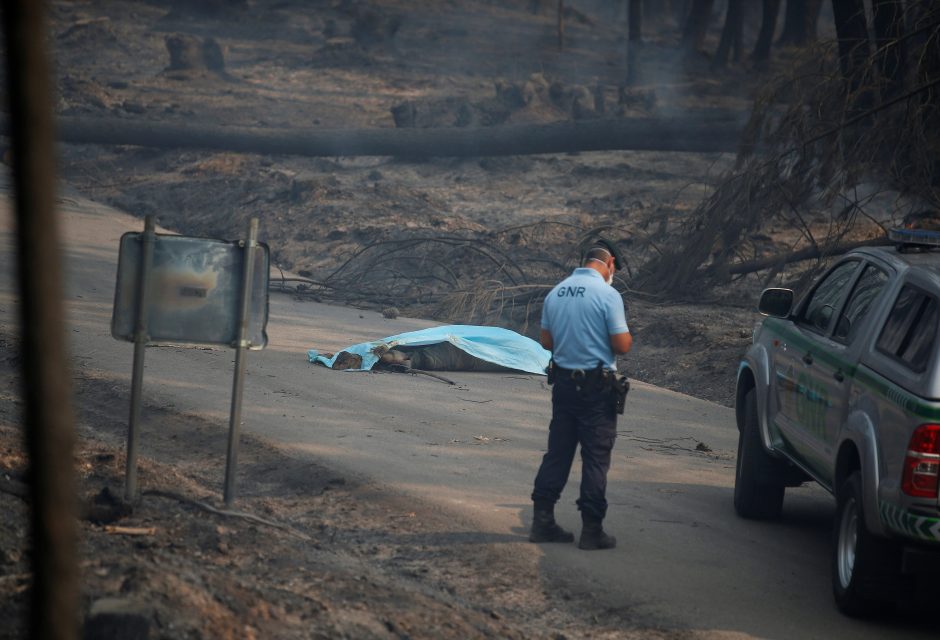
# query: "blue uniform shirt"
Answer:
x=581 y=313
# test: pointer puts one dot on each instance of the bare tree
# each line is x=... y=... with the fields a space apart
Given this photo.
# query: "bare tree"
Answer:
x=924 y=19
x=561 y=25
x=891 y=48
x=696 y=24
x=657 y=10
x=680 y=10
x=768 y=26
x=854 y=47
x=635 y=16
x=634 y=38
x=731 y=35
x=799 y=24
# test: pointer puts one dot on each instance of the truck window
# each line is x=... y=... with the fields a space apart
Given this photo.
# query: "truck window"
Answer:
x=869 y=285
x=911 y=329
x=824 y=300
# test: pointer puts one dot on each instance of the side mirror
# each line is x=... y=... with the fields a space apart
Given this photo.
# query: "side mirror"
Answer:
x=776 y=302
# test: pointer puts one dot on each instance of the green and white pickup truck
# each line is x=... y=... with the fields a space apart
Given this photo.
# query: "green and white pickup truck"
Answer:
x=843 y=388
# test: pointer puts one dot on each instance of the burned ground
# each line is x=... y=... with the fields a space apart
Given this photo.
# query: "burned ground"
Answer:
x=474 y=240
x=471 y=240
x=322 y=555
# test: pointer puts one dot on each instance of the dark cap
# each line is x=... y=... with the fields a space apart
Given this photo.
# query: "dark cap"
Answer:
x=611 y=248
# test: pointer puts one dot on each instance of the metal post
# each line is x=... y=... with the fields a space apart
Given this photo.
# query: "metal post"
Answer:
x=241 y=346
x=140 y=344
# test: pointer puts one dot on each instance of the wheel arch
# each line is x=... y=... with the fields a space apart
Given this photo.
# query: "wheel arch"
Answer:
x=746 y=382
x=754 y=373
x=848 y=461
x=858 y=451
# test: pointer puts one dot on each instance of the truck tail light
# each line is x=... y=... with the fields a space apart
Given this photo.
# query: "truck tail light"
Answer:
x=922 y=464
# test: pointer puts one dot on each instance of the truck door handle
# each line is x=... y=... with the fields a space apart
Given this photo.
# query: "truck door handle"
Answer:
x=808 y=358
x=838 y=375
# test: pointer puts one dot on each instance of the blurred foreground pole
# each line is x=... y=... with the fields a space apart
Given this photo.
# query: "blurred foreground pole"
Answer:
x=46 y=381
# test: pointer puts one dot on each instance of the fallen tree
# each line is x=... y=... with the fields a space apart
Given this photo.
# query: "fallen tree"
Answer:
x=807 y=253
x=648 y=134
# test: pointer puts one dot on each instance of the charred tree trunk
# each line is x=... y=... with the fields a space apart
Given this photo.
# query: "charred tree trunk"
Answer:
x=926 y=15
x=660 y=134
x=635 y=16
x=768 y=26
x=799 y=25
x=792 y=22
x=696 y=24
x=737 y=43
x=813 y=9
x=891 y=53
x=634 y=38
x=852 y=30
x=561 y=25
x=680 y=11
x=731 y=35
x=656 y=10
x=46 y=378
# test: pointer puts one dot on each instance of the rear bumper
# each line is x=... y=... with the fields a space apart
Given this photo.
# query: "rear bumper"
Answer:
x=912 y=526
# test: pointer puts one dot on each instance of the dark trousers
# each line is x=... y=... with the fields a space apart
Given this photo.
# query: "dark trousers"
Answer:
x=586 y=417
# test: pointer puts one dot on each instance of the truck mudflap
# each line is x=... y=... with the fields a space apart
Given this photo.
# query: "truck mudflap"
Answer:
x=910 y=525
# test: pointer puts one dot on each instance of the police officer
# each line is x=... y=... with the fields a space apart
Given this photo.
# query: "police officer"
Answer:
x=584 y=326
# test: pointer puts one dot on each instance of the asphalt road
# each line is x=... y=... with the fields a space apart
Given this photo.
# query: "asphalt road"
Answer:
x=684 y=559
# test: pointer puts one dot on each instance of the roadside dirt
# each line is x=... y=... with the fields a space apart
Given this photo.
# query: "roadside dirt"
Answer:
x=334 y=557
x=357 y=561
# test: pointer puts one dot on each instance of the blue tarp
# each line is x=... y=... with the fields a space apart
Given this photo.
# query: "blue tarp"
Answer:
x=493 y=344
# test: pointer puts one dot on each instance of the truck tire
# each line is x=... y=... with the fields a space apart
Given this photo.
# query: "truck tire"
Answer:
x=758 y=482
x=866 y=570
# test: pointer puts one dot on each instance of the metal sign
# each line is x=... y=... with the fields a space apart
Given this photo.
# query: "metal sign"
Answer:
x=181 y=289
x=194 y=287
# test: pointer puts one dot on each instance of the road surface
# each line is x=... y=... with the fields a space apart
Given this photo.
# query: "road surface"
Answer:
x=684 y=560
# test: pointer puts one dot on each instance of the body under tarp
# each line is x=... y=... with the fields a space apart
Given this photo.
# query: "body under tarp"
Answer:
x=501 y=347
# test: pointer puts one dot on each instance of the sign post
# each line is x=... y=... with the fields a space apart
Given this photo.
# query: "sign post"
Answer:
x=177 y=289
x=238 y=381
x=141 y=339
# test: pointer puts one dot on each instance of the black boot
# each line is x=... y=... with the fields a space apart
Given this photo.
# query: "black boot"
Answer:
x=593 y=536
x=544 y=527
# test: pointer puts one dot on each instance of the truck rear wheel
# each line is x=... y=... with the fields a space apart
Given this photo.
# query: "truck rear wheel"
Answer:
x=865 y=568
x=758 y=484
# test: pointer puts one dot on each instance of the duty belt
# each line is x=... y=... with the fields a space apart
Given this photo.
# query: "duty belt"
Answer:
x=596 y=378
x=581 y=374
